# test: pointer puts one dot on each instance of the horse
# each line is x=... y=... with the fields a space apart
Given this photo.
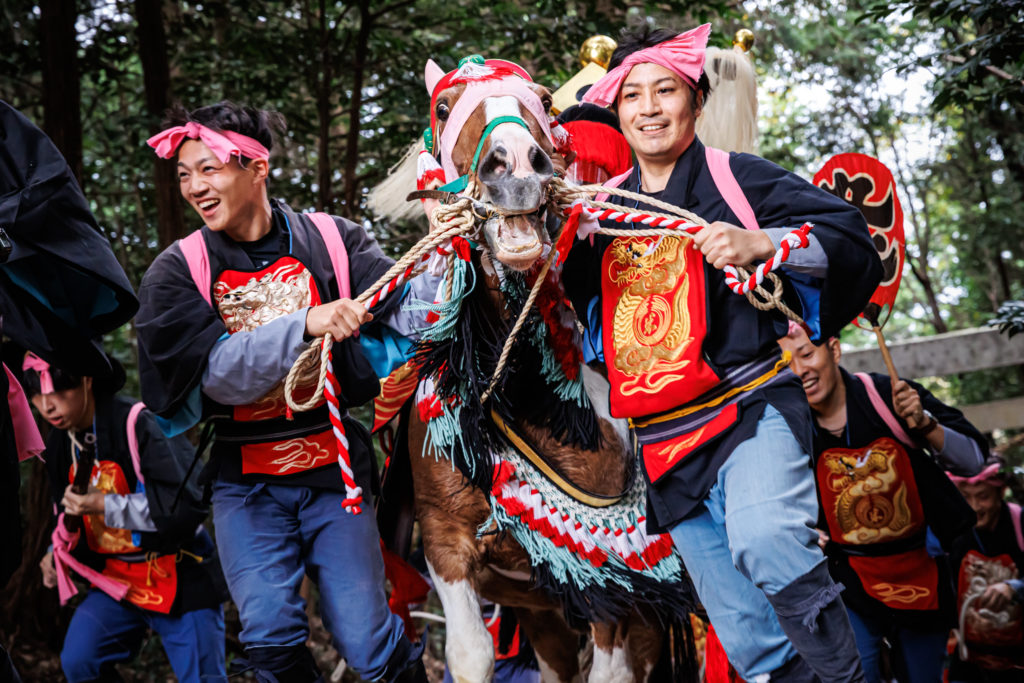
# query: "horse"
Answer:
x=526 y=482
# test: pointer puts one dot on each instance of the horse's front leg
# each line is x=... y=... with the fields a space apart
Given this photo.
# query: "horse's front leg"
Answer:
x=611 y=661
x=468 y=648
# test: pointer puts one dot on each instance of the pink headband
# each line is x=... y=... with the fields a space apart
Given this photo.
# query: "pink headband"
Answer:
x=990 y=475
x=34 y=362
x=683 y=55
x=222 y=143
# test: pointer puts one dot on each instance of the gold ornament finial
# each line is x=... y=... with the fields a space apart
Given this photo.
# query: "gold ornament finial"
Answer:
x=744 y=39
x=597 y=49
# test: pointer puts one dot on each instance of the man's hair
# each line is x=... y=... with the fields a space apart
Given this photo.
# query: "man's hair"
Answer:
x=631 y=41
x=61 y=380
x=257 y=124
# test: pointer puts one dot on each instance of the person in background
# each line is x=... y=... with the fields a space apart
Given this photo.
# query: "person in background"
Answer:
x=990 y=582
x=879 y=454
x=141 y=546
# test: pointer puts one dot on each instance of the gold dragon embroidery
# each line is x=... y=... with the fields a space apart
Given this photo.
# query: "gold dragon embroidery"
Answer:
x=867 y=508
x=651 y=326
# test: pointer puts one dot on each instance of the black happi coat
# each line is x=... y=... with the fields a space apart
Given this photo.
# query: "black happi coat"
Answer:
x=737 y=333
x=945 y=511
x=177 y=330
x=163 y=462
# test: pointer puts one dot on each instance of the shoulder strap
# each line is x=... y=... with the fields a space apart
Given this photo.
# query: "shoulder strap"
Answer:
x=883 y=410
x=336 y=249
x=193 y=248
x=725 y=181
x=1015 y=514
x=133 y=441
x=614 y=182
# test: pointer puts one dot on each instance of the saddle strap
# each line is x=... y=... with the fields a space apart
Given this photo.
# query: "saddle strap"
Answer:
x=551 y=472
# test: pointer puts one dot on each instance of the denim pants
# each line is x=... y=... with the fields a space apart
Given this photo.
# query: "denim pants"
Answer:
x=921 y=653
x=269 y=536
x=754 y=535
x=103 y=632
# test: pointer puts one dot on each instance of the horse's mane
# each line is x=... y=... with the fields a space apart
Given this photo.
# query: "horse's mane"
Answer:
x=462 y=364
x=387 y=198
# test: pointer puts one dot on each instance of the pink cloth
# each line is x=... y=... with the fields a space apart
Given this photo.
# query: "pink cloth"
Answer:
x=990 y=475
x=63 y=561
x=26 y=432
x=683 y=55
x=475 y=93
x=222 y=143
x=34 y=362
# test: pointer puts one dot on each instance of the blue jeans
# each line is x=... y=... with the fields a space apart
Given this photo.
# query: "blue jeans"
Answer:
x=269 y=536
x=922 y=653
x=104 y=631
x=755 y=535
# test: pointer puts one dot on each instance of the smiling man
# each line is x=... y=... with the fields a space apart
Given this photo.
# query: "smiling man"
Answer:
x=879 y=455
x=724 y=431
x=224 y=314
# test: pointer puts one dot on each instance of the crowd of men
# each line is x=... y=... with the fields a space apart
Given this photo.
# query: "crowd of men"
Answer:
x=820 y=515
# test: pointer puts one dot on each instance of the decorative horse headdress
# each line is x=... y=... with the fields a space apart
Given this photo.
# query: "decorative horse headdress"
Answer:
x=483 y=78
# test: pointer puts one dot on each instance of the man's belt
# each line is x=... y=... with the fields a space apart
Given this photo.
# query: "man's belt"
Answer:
x=740 y=381
x=524 y=448
x=240 y=433
x=884 y=549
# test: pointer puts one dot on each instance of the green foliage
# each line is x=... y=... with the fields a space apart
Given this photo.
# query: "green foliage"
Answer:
x=1010 y=320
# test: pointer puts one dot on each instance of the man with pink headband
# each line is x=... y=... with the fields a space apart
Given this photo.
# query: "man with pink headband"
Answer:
x=151 y=564
x=224 y=314
x=887 y=514
x=723 y=429
x=989 y=560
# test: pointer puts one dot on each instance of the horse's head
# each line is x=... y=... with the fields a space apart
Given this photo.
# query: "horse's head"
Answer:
x=489 y=119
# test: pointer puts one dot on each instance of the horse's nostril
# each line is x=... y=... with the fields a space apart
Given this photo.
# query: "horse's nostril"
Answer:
x=495 y=163
x=540 y=161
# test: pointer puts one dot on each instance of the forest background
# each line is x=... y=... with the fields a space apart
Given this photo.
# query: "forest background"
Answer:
x=932 y=87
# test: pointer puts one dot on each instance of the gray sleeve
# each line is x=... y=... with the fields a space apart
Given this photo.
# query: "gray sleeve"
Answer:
x=959 y=453
x=810 y=260
x=129 y=511
x=243 y=367
x=407 y=320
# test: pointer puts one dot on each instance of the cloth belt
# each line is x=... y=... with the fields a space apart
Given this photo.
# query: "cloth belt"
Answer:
x=741 y=380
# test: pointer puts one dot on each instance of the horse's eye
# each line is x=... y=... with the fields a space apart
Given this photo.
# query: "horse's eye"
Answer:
x=442 y=111
x=546 y=101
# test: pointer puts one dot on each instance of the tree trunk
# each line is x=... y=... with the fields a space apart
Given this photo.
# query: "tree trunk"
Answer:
x=359 y=60
x=157 y=77
x=62 y=94
x=324 y=198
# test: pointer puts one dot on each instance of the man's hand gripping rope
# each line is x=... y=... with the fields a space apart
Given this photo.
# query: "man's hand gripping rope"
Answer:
x=450 y=220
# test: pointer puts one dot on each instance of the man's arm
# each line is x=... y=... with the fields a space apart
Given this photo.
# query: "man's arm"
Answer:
x=958 y=446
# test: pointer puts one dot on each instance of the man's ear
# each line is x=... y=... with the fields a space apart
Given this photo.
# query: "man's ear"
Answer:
x=835 y=349
x=260 y=169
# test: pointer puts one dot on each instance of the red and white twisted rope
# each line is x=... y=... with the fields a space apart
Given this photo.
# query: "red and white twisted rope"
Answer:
x=353 y=493
x=796 y=239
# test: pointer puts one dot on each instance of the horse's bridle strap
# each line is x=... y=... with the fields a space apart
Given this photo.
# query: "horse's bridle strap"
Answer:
x=487 y=133
x=523 y=447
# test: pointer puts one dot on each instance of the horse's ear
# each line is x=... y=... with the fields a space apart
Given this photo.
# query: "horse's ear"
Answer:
x=432 y=75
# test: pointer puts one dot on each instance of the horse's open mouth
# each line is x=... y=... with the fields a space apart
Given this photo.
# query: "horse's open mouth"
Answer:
x=515 y=240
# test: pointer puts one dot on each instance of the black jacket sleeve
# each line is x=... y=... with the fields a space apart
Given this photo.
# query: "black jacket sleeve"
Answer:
x=783 y=199
x=176 y=331
x=164 y=463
